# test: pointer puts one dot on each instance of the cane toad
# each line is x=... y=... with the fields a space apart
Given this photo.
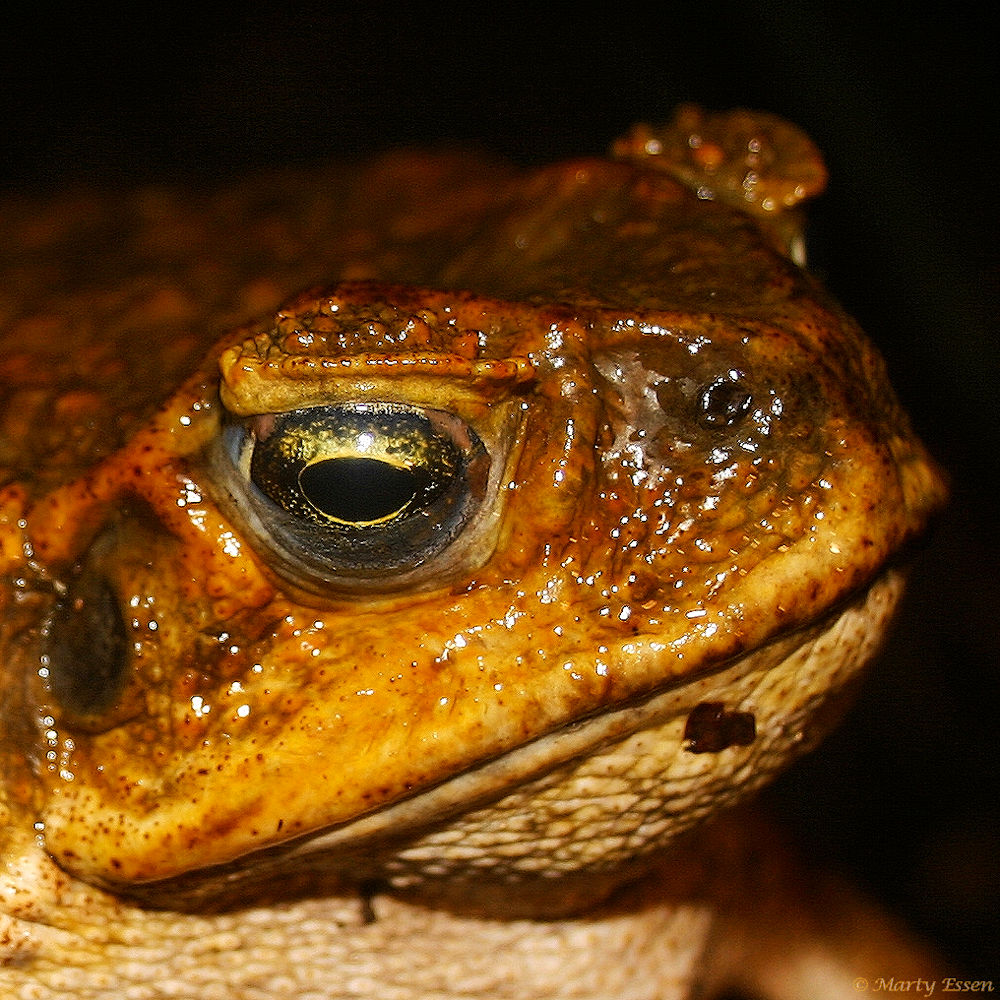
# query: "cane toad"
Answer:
x=406 y=648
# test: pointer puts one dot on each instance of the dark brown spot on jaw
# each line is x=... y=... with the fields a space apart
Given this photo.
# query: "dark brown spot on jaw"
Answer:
x=711 y=727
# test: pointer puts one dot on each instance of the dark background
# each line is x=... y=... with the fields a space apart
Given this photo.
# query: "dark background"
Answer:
x=906 y=794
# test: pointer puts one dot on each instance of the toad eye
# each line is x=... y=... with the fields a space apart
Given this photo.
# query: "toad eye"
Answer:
x=357 y=494
x=724 y=401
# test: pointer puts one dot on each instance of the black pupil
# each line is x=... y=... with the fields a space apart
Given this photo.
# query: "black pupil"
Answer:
x=360 y=490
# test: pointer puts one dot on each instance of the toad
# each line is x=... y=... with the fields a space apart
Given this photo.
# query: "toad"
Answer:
x=421 y=634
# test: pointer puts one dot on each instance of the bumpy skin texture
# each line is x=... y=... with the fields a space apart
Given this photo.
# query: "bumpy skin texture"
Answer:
x=636 y=488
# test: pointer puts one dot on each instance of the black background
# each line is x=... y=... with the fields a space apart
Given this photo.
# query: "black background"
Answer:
x=904 y=107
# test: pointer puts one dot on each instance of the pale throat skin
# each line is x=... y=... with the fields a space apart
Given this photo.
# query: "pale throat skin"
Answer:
x=417 y=636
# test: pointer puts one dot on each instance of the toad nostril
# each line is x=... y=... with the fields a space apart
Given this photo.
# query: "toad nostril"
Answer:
x=87 y=647
x=723 y=402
